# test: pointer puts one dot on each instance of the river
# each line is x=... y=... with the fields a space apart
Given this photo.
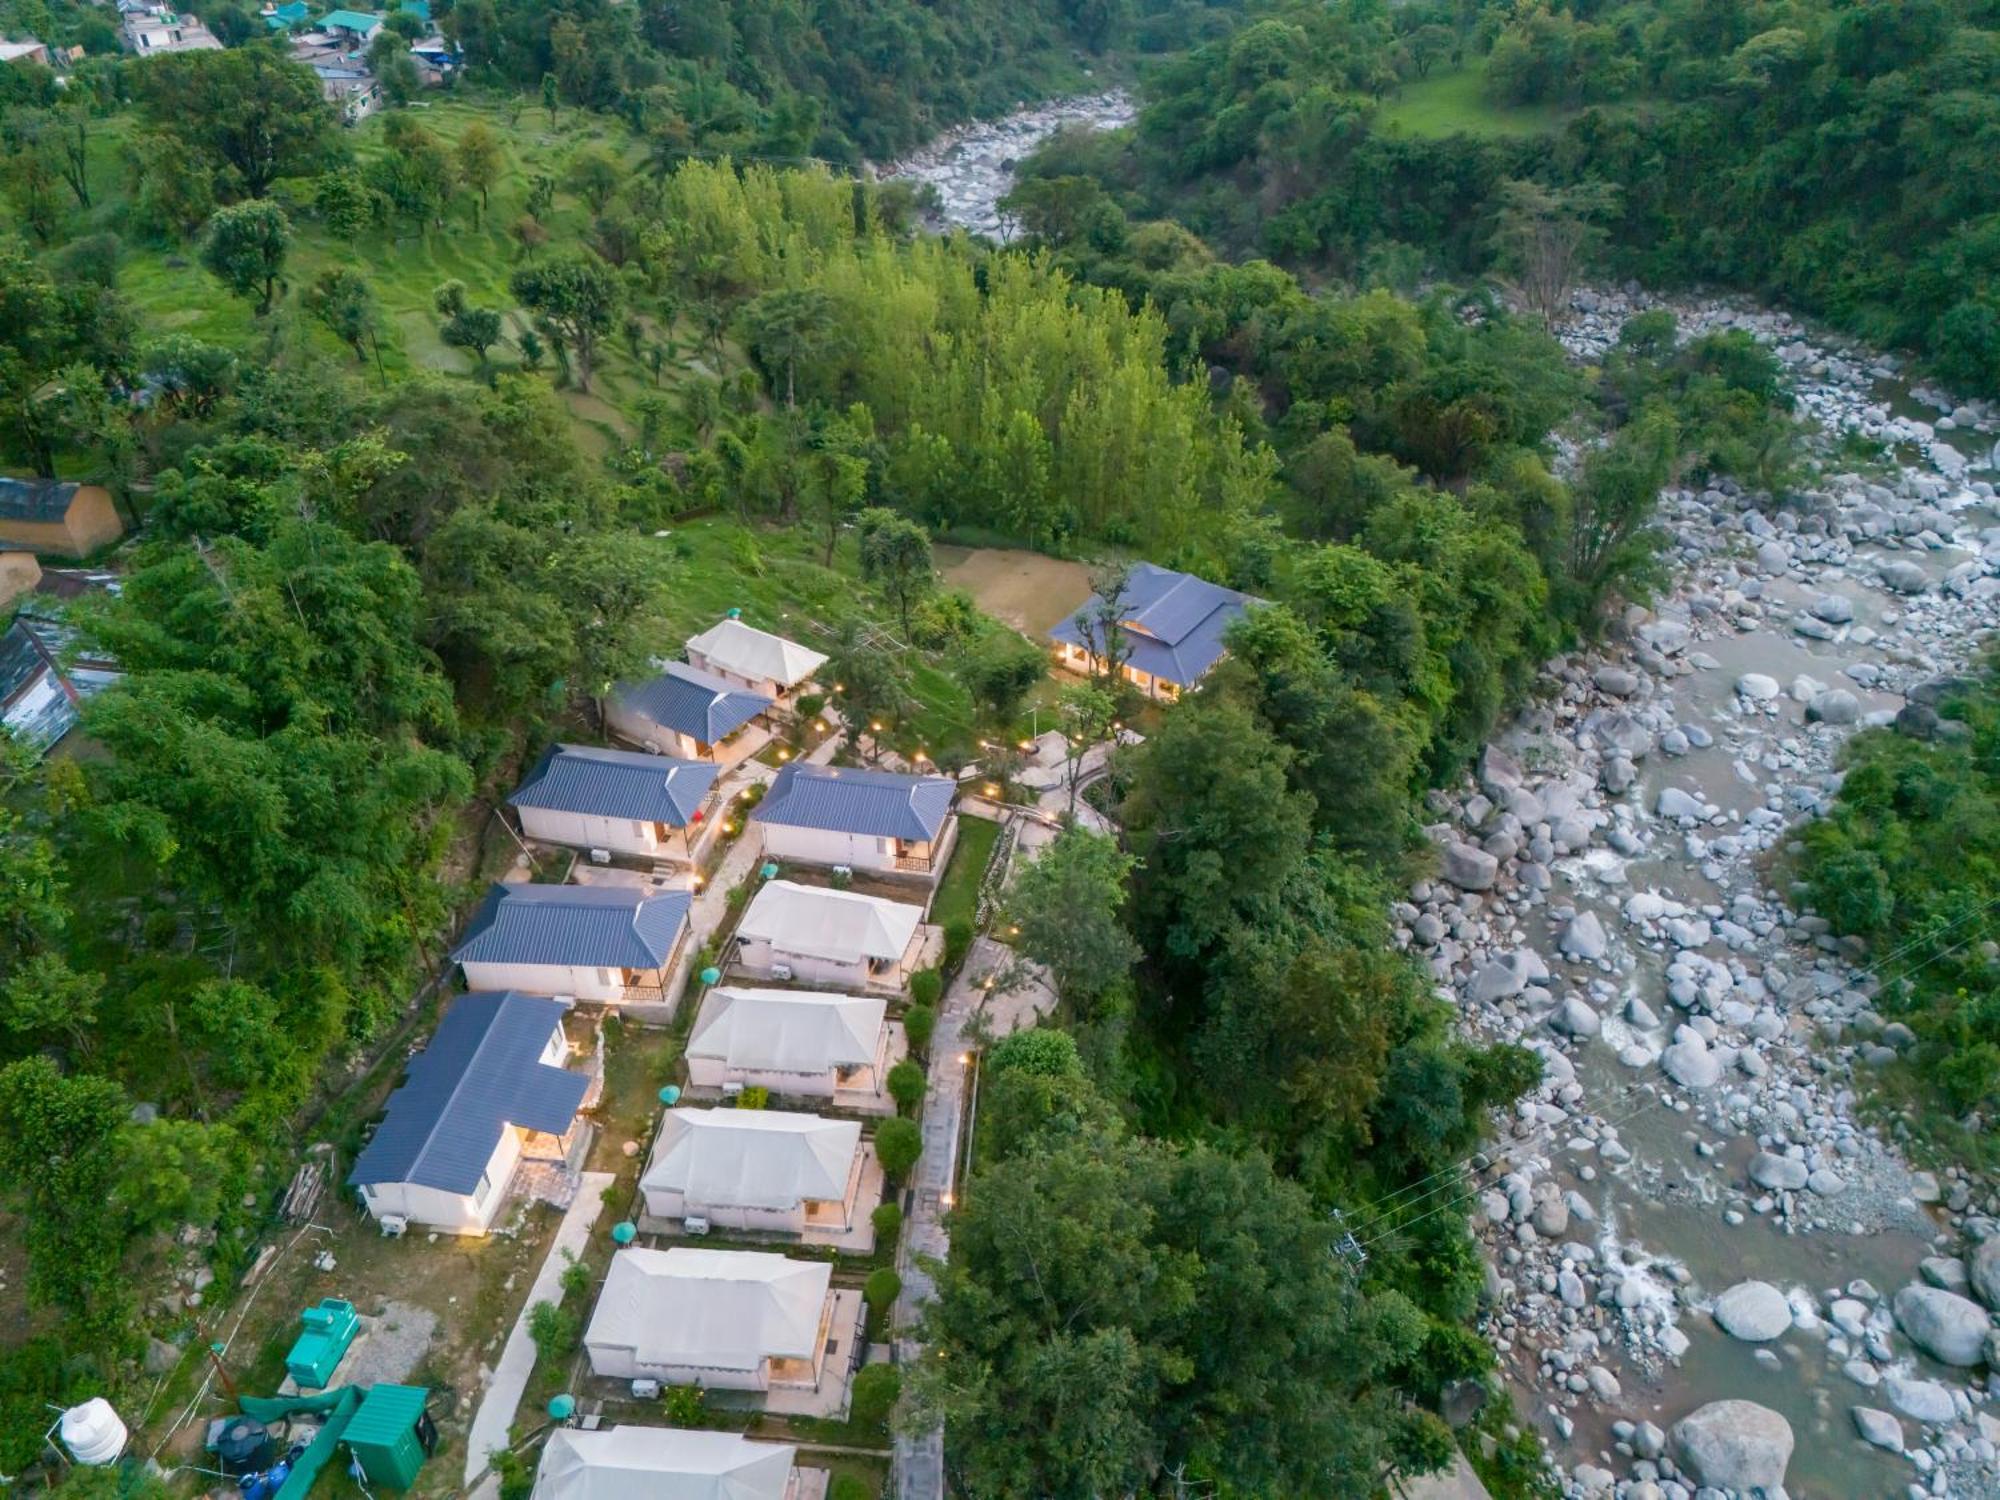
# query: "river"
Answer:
x=1696 y=1155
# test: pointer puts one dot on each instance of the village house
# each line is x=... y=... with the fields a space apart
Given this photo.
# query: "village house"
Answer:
x=290 y=16
x=1165 y=631
x=46 y=675
x=731 y=1320
x=754 y=659
x=488 y=1095
x=766 y=1170
x=151 y=27
x=691 y=714
x=608 y=943
x=670 y=1463
x=55 y=516
x=624 y=801
x=797 y=1044
x=880 y=822
x=816 y=936
x=24 y=50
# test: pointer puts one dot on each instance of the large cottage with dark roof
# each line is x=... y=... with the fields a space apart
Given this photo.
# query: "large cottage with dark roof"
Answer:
x=608 y=943
x=689 y=713
x=488 y=1093
x=1165 y=630
x=626 y=801
x=878 y=821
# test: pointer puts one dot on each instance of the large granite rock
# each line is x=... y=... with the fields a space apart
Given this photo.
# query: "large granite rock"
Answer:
x=1984 y=1264
x=1943 y=1324
x=1754 y=1311
x=1470 y=868
x=1735 y=1445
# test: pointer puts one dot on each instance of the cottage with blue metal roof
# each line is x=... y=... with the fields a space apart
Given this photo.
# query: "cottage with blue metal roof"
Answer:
x=691 y=714
x=1164 y=632
x=652 y=806
x=489 y=1093
x=609 y=943
x=878 y=821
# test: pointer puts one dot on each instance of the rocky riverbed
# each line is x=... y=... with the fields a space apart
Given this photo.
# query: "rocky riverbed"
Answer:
x=972 y=167
x=1706 y=1274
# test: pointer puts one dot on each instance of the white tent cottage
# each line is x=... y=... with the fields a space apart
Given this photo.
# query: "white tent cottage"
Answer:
x=797 y=1043
x=664 y=1463
x=753 y=659
x=734 y=1320
x=821 y=936
x=758 y=1169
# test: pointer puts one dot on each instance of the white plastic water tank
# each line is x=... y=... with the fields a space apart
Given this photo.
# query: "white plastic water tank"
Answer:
x=93 y=1432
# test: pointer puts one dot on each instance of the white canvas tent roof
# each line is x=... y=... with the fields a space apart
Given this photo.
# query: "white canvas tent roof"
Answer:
x=820 y=923
x=661 y=1463
x=746 y=651
x=753 y=1158
x=787 y=1031
x=712 y=1309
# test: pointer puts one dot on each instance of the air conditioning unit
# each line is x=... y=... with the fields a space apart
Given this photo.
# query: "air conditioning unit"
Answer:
x=645 y=1390
x=781 y=971
x=394 y=1226
x=843 y=872
x=567 y=1002
x=732 y=1090
x=651 y=747
x=694 y=1224
x=600 y=856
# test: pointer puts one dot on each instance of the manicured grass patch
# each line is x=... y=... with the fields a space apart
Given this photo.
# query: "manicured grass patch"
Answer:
x=958 y=894
x=1456 y=104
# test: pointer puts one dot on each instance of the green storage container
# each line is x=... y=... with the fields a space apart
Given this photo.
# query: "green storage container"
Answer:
x=329 y=1329
x=388 y=1436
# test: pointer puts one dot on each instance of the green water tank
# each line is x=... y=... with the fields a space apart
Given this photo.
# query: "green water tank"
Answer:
x=387 y=1435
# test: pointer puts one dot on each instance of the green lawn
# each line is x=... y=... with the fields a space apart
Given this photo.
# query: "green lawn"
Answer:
x=1456 y=103
x=958 y=893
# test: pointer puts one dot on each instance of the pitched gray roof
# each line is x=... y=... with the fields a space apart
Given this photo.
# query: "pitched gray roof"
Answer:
x=845 y=800
x=481 y=1073
x=1173 y=622
x=39 y=500
x=617 y=784
x=606 y=926
x=692 y=702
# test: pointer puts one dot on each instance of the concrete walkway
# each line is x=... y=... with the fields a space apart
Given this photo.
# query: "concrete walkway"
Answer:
x=919 y=1461
x=502 y=1396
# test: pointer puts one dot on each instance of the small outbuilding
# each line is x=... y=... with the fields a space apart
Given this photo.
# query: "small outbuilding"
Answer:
x=609 y=943
x=626 y=801
x=57 y=516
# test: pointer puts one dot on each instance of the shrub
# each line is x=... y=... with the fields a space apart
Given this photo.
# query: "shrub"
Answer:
x=876 y=1389
x=554 y=1330
x=1040 y=1050
x=575 y=1278
x=906 y=1085
x=888 y=1222
x=515 y=1473
x=754 y=1096
x=926 y=987
x=882 y=1287
x=810 y=705
x=957 y=942
x=898 y=1144
x=686 y=1406
x=919 y=1021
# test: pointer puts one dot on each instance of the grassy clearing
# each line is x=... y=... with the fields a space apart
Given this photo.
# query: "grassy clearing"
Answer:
x=958 y=892
x=1456 y=104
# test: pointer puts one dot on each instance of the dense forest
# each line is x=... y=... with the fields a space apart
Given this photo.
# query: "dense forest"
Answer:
x=1836 y=156
x=391 y=543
